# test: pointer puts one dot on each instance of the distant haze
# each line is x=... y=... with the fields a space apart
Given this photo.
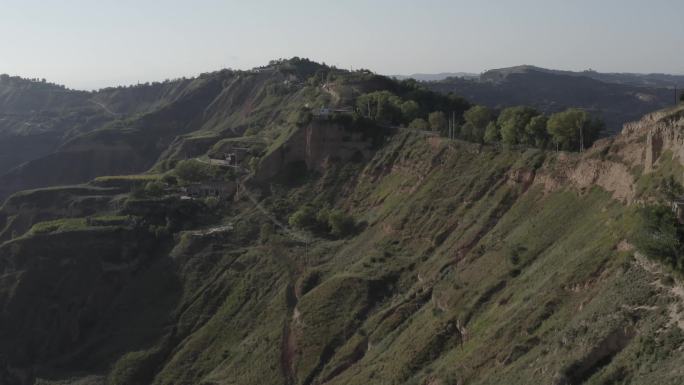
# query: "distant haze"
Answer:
x=86 y=44
x=436 y=77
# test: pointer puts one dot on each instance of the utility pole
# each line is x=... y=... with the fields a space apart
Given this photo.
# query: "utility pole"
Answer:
x=581 y=136
x=449 y=120
x=449 y=130
x=378 y=111
x=451 y=127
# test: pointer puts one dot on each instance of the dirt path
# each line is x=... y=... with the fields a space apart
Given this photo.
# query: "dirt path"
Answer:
x=212 y=230
x=104 y=107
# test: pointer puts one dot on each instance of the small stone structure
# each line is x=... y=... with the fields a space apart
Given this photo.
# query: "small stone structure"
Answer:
x=232 y=156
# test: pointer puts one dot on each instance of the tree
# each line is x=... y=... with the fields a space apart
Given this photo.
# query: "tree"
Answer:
x=382 y=106
x=535 y=131
x=438 y=121
x=513 y=121
x=573 y=129
x=410 y=110
x=562 y=127
x=419 y=124
x=478 y=118
x=681 y=97
x=491 y=134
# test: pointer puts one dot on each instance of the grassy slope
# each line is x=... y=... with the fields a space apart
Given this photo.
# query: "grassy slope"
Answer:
x=462 y=272
x=459 y=276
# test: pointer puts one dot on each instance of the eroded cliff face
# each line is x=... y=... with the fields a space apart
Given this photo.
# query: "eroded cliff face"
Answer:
x=314 y=146
x=664 y=133
x=618 y=163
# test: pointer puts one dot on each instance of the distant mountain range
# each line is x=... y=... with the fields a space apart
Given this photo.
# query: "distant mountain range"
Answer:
x=616 y=98
x=437 y=77
x=635 y=79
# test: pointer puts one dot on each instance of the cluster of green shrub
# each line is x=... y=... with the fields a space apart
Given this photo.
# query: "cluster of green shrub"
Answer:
x=327 y=221
x=570 y=130
x=407 y=103
x=411 y=106
x=660 y=236
x=417 y=108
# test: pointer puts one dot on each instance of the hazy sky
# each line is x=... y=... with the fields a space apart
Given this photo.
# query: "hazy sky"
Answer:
x=91 y=44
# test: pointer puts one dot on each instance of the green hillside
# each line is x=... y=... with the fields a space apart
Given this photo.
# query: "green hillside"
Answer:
x=302 y=224
x=423 y=261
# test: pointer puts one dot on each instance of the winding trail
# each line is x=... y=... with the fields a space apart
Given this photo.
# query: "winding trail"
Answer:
x=212 y=230
x=288 y=344
x=243 y=190
x=104 y=107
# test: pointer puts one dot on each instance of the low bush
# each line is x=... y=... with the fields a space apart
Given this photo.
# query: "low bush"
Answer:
x=304 y=218
x=323 y=220
x=660 y=236
x=340 y=223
